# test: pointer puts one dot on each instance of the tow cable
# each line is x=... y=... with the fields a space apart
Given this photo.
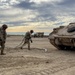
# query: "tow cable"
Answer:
x=18 y=46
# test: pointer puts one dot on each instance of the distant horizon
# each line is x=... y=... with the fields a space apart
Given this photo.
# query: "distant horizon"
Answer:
x=23 y=33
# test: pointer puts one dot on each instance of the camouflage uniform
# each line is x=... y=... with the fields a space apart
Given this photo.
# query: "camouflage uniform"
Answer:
x=27 y=39
x=3 y=38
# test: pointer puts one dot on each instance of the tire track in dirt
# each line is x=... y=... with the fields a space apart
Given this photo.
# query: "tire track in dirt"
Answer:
x=57 y=65
x=52 y=70
x=48 y=71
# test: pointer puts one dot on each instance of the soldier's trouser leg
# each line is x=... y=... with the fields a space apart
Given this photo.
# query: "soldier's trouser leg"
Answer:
x=28 y=45
x=2 y=48
x=26 y=42
x=23 y=44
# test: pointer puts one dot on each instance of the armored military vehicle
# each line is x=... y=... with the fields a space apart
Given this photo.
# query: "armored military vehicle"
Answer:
x=63 y=37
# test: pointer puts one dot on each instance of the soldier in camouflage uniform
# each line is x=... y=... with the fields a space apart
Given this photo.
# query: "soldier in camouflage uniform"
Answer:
x=27 y=39
x=3 y=37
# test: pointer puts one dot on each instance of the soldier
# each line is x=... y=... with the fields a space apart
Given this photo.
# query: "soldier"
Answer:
x=27 y=39
x=3 y=37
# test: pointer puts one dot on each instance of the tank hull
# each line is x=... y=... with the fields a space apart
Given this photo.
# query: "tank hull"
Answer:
x=61 y=39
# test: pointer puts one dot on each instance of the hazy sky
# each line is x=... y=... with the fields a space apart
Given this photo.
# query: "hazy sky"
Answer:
x=39 y=15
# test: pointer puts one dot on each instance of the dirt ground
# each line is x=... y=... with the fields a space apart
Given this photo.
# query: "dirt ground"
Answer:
x=42 y=59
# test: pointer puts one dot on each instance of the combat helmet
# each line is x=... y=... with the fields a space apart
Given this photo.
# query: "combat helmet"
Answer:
x=31 y=31
x=4 y=26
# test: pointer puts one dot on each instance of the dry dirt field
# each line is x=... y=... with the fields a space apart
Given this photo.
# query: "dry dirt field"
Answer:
x=38 y=60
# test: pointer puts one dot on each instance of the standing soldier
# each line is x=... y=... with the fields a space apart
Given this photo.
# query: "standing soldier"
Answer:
x=27 y=39
x=3 y=37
